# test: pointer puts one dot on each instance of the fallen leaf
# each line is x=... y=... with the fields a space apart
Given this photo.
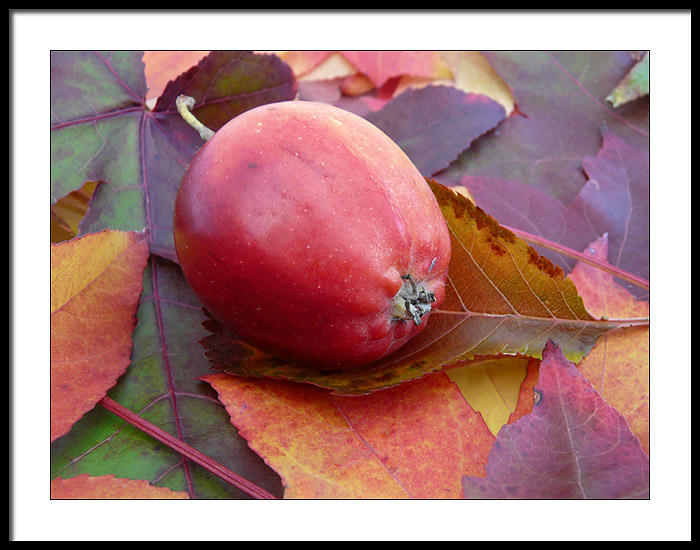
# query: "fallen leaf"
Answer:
x=357 y=84
x=381 y=96
x=493 y=386
x=303 y=62
x=618 y=365
x=163 y=66
x=333 y=66
x=69 y=211
x=433 y=125
x=380 y=66
x=635 y=84
x=473 y=73
x=562 y=96
x=104 y=131
x=462 y=190
x=502 y=298
x=415 y=441
x=572 y=446
x=614 y=201
x=96 y=283
x=85 y=487
x=161 y=386
x=407 y=82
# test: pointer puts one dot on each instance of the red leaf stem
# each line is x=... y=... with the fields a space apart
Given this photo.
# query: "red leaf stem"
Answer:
x=621 y=273
x=185 y=450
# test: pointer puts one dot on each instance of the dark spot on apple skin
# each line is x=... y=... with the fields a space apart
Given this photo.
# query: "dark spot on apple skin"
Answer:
x=252 y=165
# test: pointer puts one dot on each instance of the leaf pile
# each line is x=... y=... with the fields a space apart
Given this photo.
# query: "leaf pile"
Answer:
x=517 y=344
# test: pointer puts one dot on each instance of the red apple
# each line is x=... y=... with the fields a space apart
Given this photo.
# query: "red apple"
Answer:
x=308 y=232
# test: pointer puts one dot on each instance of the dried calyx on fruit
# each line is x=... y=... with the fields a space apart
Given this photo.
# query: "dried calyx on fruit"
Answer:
x=308 y=232
x=412 y=301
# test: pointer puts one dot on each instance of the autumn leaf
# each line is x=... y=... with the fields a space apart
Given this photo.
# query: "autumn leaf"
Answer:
x=614 y=201
x=495 y=387
x=618 y=366
x=102 y=130
x=164 y=382
x=634 y=85
x=381 y=66
x=96 y=283
x=69 y=211
x=109 y=487
x=161 y=386
x=356 y=84
x=472 y=73
x=573 y=445
x=414 y=441
x=304 y=62
x=333 y=65
x=562 y=96
x=433 y=125
x=140 y=184
x=162 y=66
x=502 y=298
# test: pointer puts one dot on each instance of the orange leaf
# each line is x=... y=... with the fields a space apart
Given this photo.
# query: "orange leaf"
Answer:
x=356 y=84
x=109 y=487
x=164 y=66
x=526 y=397
x=412 y=441
x=380 y=66
x=618 y=366
x=96 y=283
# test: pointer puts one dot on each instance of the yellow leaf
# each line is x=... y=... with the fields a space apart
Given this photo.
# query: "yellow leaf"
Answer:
x=96 y=283
x=492 y=387
x=473 y=73
x=334 y=66
x=69 y=211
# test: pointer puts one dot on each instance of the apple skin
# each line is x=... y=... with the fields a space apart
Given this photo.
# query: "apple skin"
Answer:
x=294 y=225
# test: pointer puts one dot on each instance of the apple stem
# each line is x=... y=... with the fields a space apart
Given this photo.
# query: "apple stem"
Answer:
x=184 y=103
x=412 y=300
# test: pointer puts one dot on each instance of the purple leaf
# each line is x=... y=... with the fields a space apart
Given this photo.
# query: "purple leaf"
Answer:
x=562 y=95
x=434 y=124
x=572 y=446
x=615 y=201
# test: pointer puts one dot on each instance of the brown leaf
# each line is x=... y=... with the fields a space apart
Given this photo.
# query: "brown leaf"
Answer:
x=69 y=211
